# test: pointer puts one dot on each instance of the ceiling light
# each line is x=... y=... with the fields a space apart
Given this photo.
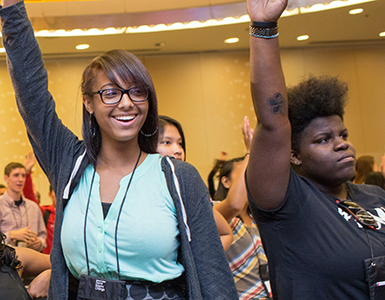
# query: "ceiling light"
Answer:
x=232 y=40
x=302 y=37
x=356 y=11
x=82 y=46
x=331 y=5
x=382 y=34
x=188 y=25
x=79 y=32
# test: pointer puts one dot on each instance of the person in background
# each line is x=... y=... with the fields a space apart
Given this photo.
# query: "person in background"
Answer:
x=211 y=178
x=48 y=211
x=171 y=142
x=127 y=220
x=375 y=178
x=171 y=139
x=20 y=219
x=323 y=235
x=364 y=165
x=246 y=255
x=3 y=189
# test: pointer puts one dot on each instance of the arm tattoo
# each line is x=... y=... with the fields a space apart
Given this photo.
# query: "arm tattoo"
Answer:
x=277 y=104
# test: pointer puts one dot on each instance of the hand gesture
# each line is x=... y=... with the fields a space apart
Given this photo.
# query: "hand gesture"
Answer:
x=29 y=161
x=265 y=10
x=38 y=288
x=247 y=133
x=35 y=244
x=23 y=234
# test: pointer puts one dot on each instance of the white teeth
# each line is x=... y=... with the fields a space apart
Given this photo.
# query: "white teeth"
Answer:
x=124 y=118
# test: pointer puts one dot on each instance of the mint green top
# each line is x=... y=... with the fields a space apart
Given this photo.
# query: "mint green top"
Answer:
x=148 y=236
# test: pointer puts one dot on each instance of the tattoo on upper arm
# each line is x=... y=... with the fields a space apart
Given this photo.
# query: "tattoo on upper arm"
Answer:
x=277 y=104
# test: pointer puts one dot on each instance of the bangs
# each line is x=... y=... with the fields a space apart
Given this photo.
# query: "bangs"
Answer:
x=124 y=69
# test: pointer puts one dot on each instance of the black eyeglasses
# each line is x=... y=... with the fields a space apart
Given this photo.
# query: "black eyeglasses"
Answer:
x=360 y=214
x=113 y=96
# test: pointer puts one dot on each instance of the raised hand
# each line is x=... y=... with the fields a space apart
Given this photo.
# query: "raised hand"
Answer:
x=265 y=10
x=29 y=161
x=247 y=133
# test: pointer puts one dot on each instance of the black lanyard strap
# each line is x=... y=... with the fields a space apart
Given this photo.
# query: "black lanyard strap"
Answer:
x=117 y=221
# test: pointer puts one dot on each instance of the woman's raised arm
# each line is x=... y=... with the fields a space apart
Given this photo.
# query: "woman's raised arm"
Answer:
x=269 y=166
x=48 y=136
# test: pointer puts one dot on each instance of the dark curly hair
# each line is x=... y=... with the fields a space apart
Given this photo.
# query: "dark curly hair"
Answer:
x=312 y=98
x=8 y=255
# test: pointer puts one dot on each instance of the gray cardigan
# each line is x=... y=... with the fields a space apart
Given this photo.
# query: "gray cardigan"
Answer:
x=62 y=157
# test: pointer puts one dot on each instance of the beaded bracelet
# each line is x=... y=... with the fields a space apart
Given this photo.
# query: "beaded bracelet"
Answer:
x=266 y=30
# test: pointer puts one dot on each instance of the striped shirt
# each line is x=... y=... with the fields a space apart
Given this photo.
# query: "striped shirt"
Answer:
x=245 y=255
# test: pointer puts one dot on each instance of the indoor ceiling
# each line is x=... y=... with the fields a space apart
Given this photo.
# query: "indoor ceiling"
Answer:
x=334 y=27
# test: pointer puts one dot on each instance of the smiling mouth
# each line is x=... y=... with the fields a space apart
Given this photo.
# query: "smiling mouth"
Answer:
x=124 y=118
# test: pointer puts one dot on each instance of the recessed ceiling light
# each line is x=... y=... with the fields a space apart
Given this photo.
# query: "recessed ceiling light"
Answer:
x=302 y=37
x=2 y=50
x=356 y=11
x=82 y=46
x=232 y=40
x=382 y=34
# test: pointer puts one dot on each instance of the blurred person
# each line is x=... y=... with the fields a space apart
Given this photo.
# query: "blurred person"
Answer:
x=20 y=219
x=364 y=165
x=375 y=178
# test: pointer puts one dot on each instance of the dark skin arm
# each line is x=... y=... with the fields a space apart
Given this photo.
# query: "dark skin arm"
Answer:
x=269 y=166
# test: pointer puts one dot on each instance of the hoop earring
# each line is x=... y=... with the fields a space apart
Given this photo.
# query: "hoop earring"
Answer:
x=149 y=134
x=92 y=127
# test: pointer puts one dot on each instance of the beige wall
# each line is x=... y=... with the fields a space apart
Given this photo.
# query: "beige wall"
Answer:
x=209 y=94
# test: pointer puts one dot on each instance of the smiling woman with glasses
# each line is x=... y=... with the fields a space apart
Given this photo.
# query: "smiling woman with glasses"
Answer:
x=324 y=236
x=129 y=223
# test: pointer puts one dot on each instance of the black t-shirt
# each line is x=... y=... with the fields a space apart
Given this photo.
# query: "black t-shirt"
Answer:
x=314 y=249
x=11 y=286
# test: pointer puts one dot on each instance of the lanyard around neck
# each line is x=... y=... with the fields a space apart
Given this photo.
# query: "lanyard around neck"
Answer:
x=117 y=221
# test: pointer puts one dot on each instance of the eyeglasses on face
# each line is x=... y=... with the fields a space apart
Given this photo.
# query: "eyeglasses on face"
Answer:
x=114 y=95
x=360 y=214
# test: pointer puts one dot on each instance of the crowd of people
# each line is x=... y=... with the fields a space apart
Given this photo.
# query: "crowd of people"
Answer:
x=291 y=219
